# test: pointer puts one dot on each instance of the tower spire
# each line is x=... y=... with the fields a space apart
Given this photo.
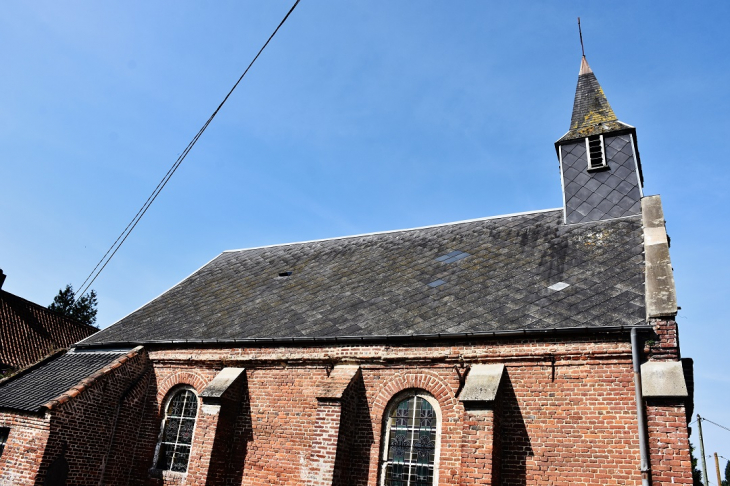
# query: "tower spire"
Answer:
x=592 y=114
x=599 y=161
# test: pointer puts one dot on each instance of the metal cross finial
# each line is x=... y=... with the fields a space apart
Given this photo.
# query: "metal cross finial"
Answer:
x=581 y=39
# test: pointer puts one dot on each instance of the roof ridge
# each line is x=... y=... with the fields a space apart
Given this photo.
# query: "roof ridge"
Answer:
x=385 y=232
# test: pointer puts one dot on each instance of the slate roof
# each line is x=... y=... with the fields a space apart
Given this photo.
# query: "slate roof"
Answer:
x=29 y=331
x=378 y=285
x=592 y=114
x=30 y=389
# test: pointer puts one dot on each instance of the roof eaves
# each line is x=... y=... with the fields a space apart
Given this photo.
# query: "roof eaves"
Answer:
x=376 y=339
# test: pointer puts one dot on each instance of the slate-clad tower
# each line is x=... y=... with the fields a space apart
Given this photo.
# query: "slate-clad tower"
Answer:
x=599 y=159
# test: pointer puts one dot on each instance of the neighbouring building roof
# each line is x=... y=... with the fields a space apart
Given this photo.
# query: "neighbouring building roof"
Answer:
x=33 y=388
x=517 y=272
x=30 y=331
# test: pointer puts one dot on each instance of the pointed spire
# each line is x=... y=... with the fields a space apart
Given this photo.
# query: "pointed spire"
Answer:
x=592 y=114
x=584 y=67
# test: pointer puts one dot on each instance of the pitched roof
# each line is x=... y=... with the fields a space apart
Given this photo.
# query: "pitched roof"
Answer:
x=30 y=331
x=592 y=114
x=31 y=389
x=390 y=284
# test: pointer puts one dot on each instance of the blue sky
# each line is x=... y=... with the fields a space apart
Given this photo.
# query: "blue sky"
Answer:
x=359 y=117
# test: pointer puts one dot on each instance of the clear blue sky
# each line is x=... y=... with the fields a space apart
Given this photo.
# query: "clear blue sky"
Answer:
x=359 y=117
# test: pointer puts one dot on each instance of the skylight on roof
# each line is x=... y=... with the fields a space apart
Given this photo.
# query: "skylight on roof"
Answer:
x=559 y=286
x=452 y=257
x=436 y=283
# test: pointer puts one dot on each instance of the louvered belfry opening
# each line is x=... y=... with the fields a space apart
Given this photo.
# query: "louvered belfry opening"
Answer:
x=596 y=153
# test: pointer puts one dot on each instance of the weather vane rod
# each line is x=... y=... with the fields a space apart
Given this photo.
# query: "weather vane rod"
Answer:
x=581 y=39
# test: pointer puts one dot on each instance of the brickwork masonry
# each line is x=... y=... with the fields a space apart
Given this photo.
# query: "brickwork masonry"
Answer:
x=565 y=414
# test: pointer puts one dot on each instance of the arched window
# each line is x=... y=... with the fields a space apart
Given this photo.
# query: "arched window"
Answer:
x=176 y=437
x=410 y=441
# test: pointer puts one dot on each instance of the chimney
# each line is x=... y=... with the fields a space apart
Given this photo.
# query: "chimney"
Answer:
x=2 y=278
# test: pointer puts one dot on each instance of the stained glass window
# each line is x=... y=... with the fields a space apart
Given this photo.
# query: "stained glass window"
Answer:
x=410 y=452
x=177 y=432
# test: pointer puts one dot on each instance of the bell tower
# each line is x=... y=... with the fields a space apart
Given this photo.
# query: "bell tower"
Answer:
x=599 y=160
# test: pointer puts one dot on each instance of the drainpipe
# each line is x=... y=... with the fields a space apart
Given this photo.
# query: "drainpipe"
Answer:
x=640 y=409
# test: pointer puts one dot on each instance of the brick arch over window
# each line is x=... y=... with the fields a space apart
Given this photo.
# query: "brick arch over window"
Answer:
x=434 y=384
x=180 y=378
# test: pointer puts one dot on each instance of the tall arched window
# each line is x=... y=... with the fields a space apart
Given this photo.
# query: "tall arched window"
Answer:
x=410 y=441
x=176 y=437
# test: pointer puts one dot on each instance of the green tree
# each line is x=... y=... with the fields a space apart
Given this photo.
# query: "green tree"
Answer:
x=83 y=310
x=726 y=481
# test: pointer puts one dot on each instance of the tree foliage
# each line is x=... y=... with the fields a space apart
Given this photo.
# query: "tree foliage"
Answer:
x=83 y=310
x=726 y=481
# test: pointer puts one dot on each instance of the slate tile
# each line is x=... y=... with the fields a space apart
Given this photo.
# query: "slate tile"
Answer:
x=361 y=285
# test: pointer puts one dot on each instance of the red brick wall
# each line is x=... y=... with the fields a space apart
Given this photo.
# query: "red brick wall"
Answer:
x=87 y=423
x=571 y=422
x=120 y=460
x=574 y=421
x=668 y=442
x=355 y=436
x=666 y=344
x=24 y=449
x=667 y=418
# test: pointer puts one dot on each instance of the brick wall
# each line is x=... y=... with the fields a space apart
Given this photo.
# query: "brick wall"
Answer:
x=24 y=449
x=668 y=442
x=667 y=417
x=565 y=414
x=666 y=344
x=573 y=420
x=84 y=425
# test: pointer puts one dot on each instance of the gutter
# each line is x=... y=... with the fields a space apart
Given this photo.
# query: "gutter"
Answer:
x=363 y=340
x=641 y=419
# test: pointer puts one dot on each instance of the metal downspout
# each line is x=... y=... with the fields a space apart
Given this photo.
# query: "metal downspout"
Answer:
x=640 y=409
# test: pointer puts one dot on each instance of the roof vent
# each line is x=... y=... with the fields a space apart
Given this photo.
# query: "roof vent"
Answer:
x=452 y=257
x=595 y=152
x=559 y=286
x=436 y=283
x=284 y=274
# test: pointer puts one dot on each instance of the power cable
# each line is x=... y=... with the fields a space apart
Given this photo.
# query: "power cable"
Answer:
x=713 y=423
x=133 y=223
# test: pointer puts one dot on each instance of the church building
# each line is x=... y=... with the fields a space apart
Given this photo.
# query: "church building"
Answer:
x=538 y=348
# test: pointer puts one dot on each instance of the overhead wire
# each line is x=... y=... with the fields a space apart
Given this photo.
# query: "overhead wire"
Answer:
x=133 y=223
x=716 y=424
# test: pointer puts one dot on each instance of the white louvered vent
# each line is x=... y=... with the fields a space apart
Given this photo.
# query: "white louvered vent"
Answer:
x=595 y=152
